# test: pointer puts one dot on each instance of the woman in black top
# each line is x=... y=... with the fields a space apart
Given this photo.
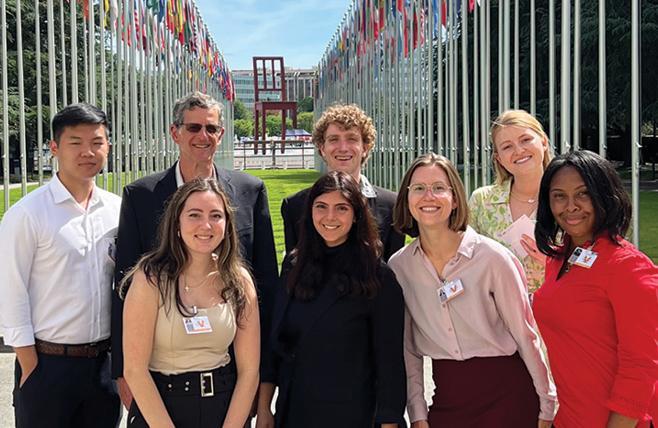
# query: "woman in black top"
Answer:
x=336 y=340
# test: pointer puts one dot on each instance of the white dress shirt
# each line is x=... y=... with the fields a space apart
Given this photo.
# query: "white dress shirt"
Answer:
x=56 y=266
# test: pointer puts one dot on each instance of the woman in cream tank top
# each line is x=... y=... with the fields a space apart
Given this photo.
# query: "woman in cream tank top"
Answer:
x=191 y=329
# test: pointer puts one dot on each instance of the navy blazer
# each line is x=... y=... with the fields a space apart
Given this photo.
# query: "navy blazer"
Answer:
x=347 y=368
x=143 y=204
x=381 y=207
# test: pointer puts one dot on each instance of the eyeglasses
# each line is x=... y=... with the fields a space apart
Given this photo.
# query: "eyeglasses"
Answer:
x=195 y=128
x=437 y=189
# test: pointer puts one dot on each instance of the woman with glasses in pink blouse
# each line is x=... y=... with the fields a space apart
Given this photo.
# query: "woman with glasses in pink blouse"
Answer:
x=467 y=309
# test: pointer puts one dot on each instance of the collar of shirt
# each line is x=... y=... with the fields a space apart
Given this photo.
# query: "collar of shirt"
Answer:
x=367 y=189
x=179 y=174
x=500 y=192
x=466 y=247
x=61 y=193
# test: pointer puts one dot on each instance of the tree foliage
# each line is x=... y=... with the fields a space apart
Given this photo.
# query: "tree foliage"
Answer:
x=240 y=111
x=305 y=121
x=305 y=105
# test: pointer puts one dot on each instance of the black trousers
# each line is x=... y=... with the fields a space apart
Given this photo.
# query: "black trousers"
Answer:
x=182 y=397
x=67 y=392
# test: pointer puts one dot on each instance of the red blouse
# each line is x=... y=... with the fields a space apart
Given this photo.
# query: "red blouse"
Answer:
x=600 y=326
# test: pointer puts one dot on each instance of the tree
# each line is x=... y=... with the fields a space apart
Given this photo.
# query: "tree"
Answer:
x=305 y=121
x=273 y=124
x=243 y=127
x=305 y=105
x=240 y=111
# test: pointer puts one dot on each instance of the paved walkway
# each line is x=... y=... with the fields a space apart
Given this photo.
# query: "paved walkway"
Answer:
x=7 y=385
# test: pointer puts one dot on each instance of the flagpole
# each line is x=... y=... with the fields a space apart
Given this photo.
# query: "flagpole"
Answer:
x=135 y=143
x=466 y=138
x=439 y=85
x=74 y=51
x=565 y=89
x=63 y=58
x=476 y=97
x=533 y=60
x=551 y=73
x=484 y=91
x=576 y=75
x=37 y=38
x=120 y=137
x=92 y=55
x=636 y=142
x=602 y=82
x=517 y=74
x=21 y=98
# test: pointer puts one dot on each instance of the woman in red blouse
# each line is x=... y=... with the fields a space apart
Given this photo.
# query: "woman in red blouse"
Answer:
x=597 y=310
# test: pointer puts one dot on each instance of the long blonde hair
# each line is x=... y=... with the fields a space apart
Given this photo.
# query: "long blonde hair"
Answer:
x=522 y=119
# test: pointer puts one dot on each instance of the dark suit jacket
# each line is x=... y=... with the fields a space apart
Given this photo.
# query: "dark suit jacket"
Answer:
x=347 y=368
x=143 y=204
x=381 y=207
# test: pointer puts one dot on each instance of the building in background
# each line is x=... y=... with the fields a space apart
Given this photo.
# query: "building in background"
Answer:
x=300 y=83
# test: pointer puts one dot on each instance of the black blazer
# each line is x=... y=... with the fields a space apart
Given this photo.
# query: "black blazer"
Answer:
x=347 y=369
x=381 y=207
x=143 y=204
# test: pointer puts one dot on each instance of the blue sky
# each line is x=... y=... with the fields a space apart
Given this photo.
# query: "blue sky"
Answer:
x=298 y=30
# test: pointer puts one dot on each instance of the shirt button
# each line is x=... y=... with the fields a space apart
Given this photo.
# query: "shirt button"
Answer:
x=443 y=305
x=449 y=328
x=456 y=351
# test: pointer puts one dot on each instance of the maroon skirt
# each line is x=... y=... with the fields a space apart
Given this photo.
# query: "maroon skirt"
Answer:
x=483 y=392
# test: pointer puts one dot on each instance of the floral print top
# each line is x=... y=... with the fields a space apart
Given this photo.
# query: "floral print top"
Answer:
x=491 y=215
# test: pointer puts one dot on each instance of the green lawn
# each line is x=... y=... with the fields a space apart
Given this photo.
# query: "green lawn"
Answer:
x=281 y=183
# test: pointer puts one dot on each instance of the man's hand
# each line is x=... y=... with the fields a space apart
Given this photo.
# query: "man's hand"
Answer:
x=124 y=392
x=420 y=424
x=28 y=360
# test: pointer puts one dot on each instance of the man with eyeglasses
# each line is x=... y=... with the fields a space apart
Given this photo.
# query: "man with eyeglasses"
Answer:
x=344 y=137
x=197 y=129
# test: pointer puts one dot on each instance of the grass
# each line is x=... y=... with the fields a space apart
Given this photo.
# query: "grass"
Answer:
x=281 y=183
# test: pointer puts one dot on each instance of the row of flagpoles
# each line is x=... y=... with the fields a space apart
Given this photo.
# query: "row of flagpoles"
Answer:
x=137 y=58
x=404 y=62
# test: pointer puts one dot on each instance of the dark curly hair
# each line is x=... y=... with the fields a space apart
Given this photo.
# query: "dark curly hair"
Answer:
x=356 y=271
x=612 y=205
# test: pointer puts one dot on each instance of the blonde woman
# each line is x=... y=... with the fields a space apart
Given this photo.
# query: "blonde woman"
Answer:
x=521 y=151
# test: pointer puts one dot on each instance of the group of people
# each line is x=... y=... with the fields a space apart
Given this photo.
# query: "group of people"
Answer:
x=525 y=296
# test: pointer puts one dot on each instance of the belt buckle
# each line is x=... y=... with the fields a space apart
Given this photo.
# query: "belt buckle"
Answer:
x=207 y=389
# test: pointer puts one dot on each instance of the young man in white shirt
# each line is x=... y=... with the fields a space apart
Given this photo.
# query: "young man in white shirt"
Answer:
x=55 y=274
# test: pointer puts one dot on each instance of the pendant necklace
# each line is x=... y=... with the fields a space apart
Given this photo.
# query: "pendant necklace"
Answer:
x=526 y=201
x=188 y=288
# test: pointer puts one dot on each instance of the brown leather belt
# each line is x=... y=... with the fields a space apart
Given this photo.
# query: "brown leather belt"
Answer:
x=84 y=350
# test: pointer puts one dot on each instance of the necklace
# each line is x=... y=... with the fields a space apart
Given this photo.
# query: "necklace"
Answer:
x=526 y=201
x=187 y=286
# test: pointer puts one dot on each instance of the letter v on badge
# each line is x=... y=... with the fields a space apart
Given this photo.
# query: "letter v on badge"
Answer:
x=450 y=290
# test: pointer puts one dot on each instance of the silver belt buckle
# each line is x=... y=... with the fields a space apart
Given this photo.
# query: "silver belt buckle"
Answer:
x=207 y=385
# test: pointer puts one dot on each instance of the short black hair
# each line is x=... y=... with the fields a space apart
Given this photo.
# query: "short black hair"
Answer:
x=612 y=205
x=78 y=114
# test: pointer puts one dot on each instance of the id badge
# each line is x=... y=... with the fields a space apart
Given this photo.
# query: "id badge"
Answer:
x=585 y=259
x=197 y=325
x=451 y=290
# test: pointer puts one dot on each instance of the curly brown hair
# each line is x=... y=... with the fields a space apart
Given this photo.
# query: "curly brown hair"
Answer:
x=347 y=116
